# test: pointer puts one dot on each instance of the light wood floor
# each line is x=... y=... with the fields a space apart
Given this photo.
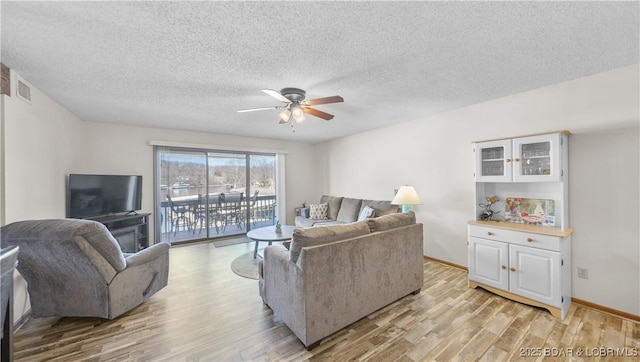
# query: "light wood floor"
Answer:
x=207 y=313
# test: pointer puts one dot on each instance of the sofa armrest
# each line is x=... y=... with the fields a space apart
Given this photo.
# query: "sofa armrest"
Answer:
x=276 y=263
x=146 y=255
x=284 y=288
x=277 y=252
x=277 y=256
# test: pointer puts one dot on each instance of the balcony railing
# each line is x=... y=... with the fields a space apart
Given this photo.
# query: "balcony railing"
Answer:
x=189 y=218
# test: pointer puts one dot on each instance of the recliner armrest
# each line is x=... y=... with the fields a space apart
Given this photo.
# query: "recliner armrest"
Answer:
x=148 y=254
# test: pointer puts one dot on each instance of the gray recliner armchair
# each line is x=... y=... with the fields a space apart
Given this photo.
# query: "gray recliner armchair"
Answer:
x=75 y=268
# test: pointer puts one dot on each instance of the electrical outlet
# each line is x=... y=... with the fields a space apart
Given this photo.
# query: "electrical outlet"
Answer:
x=583 y=273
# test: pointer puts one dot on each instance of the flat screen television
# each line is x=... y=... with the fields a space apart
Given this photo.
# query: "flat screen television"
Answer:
x=98 y=195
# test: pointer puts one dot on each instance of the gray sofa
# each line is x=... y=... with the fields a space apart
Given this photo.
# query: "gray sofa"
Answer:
x=75 y=268
x=344 y=210
x=334 y=275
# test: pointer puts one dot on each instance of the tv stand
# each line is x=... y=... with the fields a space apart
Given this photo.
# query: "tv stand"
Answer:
x=130 y=230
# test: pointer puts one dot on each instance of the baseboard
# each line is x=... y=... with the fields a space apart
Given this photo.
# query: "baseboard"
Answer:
x=602 y=308
x=584 y=303
x=446 y=263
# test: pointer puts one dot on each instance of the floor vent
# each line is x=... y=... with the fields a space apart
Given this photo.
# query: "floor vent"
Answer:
x=23 y=91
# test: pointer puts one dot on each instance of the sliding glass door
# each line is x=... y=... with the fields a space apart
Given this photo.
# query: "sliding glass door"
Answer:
x=228 y=188
x=262 y=174
x=182 y=176
x=212 y=193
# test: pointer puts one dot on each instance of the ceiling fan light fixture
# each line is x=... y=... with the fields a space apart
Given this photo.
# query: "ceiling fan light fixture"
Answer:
x=285 y=116
x=297 y=113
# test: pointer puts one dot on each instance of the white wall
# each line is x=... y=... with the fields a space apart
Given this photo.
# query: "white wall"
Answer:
x=40 y=141
x=434 y=155
x=604 y=212
x=39 y=149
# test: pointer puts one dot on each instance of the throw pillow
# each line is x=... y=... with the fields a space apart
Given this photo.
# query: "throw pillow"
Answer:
x=318 y=211
x=366 y=213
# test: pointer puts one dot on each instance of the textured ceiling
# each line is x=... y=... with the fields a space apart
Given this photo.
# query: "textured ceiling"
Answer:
x=191 y=65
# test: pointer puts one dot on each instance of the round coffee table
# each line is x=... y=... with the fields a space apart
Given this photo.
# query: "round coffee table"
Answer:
x=269 y=234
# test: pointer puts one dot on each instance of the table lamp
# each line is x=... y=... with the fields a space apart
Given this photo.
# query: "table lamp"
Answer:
x=406 y=196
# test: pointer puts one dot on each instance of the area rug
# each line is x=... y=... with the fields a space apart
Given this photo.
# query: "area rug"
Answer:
x=246 y=266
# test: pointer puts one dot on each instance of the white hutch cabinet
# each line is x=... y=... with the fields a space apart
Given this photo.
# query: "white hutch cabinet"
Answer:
x=524 y=252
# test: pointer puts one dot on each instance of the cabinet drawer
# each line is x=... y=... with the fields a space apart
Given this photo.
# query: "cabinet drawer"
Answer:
x=533 y=240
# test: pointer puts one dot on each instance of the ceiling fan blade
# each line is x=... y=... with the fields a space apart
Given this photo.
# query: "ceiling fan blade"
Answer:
x=276 y=95
x=325 y=100
x=317 y=113
x=258 y=109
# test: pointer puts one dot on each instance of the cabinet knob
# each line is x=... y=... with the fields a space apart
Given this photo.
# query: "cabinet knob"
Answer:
x=512 y=269
x=489 y=233
x=529 y=239
x=507 y=160
x=504 y=267
x=516 y=159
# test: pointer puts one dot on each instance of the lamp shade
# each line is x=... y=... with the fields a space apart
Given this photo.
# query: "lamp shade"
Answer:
x=297 y=112
x=406 y=195
x=285 y=116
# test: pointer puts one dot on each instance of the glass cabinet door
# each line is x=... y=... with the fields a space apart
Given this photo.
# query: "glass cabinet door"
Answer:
x=493 y=161
x=537 y=158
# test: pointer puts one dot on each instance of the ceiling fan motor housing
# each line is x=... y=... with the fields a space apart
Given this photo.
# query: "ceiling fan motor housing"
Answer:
x=293 y=94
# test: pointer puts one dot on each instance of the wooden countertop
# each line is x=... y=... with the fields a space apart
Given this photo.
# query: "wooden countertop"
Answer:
x=544 y=230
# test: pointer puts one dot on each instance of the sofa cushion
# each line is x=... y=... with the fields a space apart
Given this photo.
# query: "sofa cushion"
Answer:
x=391 y=221
x=366 y=213
x=334 y=205
x=349 y=210
x=381 y=207
x=318 y=211
x=323 y=235
x=304 y=222
x=394 y=209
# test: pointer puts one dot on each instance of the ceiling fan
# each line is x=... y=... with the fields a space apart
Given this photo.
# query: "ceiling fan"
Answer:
x=295 y=106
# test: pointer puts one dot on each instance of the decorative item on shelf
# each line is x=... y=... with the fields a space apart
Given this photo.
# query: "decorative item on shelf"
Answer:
x=530 y=211
x=304 y=204
x=513 y=203
x=278 y=227
x=487 y=214
x=407 y=197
